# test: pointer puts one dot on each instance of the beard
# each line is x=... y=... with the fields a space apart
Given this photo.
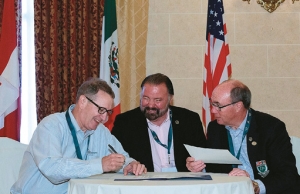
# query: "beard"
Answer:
x=149 y=114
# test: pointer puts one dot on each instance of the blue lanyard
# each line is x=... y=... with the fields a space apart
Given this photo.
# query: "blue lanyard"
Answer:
x=246 y=129
x=169 y=137
x=72 y=129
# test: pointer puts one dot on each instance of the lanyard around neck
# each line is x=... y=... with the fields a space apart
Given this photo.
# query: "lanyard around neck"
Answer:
x=72 y=129
x=169 y=136
x=246 y=129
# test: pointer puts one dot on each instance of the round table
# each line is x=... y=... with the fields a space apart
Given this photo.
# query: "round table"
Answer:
x=106 y=184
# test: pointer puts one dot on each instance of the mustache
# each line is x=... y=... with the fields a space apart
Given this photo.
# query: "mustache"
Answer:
x=149 y=115
x=148 y=108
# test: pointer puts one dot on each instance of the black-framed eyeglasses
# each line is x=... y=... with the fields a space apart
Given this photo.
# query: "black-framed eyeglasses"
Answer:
x=218 y=107
x=101 y=110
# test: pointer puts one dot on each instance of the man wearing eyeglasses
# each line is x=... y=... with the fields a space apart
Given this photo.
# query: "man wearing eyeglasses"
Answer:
x=155 y=132
x=74 y=144
x=259 y=140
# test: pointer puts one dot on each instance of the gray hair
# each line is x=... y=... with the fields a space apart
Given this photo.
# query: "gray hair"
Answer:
x=240 y=92
x=92 y=86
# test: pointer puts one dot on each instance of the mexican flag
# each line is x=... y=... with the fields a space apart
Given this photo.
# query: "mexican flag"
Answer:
x=9 y=74
x=109 y=65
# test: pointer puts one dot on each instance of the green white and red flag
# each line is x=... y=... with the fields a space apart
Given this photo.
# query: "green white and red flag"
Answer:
x=109 y=64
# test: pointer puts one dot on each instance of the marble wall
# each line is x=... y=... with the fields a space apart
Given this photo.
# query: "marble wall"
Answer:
x=264 y=51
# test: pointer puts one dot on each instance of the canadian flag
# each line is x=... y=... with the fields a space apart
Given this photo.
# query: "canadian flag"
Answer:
x=9 y=74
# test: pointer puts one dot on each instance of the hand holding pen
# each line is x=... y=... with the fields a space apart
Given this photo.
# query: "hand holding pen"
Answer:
x=133 y=167
x=113 y=162
x=114 y=151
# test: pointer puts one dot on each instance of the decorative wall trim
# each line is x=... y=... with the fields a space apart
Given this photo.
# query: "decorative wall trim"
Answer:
x=269 y=5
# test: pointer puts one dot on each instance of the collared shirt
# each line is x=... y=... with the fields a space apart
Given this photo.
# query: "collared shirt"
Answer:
x=50 y=159
x=160 y=153
x=237 y=135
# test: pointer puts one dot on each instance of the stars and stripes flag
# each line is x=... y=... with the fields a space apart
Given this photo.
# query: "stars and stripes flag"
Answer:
x=217 y=66
x=9 y=74
x=109 y=65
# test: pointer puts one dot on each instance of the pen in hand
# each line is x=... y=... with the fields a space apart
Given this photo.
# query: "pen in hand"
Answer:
x=112 y=149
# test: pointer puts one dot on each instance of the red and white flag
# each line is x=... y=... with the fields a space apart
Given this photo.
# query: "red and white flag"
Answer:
x=217 y=66
x=109 y=65
x=9 y=74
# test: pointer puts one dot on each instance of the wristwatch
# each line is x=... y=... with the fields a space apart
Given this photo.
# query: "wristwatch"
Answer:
x=256 y=187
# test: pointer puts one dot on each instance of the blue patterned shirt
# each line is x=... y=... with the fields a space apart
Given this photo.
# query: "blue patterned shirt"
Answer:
x=50 y=159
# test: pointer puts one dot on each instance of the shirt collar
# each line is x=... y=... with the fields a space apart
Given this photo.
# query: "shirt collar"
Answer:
x=241 y=128
x=75 y=124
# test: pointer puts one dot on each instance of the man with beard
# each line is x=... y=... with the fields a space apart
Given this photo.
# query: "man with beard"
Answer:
x=155 y=132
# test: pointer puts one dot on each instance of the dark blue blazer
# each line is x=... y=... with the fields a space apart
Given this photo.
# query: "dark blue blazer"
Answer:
x=272 y=144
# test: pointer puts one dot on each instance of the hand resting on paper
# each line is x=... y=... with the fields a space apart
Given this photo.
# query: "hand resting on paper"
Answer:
x=239 y=172
x=114 y=162
x=135 y=168
x=193 y=165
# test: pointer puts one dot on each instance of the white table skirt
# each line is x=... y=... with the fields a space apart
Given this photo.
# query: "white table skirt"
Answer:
x=105 y=184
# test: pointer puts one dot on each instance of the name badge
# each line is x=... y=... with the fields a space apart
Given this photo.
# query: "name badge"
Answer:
x=169 y=169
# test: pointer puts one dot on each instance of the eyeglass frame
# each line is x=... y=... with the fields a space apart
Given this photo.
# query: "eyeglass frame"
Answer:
x=109 y=112
x=219 y=108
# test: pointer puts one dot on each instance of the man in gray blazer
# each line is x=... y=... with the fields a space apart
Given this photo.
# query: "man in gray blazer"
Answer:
x=155 y=132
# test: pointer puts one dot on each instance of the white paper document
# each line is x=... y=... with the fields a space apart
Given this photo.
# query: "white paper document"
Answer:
x=164 y=176
x=216 y=156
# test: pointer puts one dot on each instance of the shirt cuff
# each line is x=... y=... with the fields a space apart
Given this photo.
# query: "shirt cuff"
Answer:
x=95 y=166
x=262 y=188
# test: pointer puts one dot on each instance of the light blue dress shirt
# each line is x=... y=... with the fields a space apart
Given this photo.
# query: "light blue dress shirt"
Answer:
x=237 y=135
x=50 y=159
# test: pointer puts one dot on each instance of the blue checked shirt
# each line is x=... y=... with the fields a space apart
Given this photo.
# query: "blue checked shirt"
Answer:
x=50 y=159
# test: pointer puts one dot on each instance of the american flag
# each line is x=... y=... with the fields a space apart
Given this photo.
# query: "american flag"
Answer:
x=217 y=66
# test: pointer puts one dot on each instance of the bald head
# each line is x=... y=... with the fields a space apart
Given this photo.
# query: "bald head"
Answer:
x=230 y=102
x=235 y=90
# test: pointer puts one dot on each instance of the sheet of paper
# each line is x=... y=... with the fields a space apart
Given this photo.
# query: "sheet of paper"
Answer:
x=216 y=156
x=163 y=176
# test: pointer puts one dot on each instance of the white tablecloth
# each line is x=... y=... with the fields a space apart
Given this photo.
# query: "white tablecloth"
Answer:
x=105 y=184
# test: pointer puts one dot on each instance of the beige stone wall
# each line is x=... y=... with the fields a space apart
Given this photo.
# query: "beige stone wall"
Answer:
x=264 y=52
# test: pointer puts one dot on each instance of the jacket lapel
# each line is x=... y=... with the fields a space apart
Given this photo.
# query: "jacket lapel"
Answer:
x=143 y=135
x=253 y=143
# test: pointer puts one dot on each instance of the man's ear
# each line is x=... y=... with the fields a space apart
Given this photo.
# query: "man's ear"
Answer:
x=171 y=99
x=82 y=101
x=239 y=105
